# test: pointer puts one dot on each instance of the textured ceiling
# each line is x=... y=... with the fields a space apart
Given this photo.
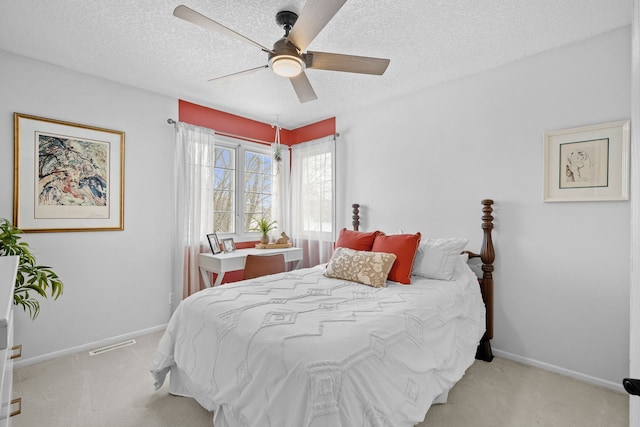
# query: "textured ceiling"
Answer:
x=141 y=43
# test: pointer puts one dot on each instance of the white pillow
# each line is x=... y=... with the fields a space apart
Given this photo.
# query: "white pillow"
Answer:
x=436 y=258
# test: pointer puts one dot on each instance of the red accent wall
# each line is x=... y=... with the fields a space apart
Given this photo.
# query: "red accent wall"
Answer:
x=314 y=131
x=230 y=123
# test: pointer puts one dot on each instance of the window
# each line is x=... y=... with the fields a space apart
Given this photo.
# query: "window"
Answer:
x=317 y=211
x=313 y=198
x=257 y=187
x=242 y=186
x=224 y=200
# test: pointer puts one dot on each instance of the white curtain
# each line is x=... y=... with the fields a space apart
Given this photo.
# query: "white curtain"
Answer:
x=280 y=208
x=194 y=173
x=313 y=199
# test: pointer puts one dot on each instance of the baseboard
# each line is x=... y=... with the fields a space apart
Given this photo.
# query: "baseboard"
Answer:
x=558 y=370
x=85 y=347
x=497 y=352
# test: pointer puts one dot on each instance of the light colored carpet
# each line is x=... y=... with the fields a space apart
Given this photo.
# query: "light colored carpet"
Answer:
x=115 y=389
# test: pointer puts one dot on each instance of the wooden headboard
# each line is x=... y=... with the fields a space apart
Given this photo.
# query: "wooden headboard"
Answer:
x=487 y=256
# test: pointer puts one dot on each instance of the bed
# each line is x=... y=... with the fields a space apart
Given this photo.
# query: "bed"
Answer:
x=303 y=349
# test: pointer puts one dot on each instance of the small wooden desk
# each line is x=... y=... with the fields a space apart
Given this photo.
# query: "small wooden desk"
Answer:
x=223 y=262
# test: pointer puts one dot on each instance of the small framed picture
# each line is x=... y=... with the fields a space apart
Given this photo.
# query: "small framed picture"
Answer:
x=214 y=243
x=228 y=245
x=589 y=163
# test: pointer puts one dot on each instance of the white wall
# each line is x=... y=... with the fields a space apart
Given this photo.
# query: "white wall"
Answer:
x=117 y=283
x=562 y=270
x=423 y=163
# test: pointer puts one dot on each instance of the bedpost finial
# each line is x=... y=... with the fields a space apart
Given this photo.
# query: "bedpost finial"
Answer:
x=356 y=216
x=487 y=218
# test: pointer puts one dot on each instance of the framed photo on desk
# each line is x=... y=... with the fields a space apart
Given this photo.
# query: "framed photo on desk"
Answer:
x=214 y=243
x=228 y=245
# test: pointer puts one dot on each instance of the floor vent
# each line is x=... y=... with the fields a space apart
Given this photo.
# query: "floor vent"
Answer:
x=111 y=347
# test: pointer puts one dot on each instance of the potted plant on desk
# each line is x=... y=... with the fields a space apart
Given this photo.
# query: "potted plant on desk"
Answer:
x=31 y=278
x=264 y=226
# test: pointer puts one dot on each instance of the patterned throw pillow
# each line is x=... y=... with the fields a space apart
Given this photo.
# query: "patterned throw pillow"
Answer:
x=369 y=268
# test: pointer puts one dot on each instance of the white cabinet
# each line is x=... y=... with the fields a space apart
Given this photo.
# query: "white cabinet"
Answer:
x=8 y=269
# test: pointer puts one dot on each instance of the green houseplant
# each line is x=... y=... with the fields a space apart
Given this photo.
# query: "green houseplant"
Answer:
x=264 y=226
x=32 y=278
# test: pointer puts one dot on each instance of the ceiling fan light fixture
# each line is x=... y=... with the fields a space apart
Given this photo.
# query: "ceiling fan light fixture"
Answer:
x=287 y=58
x=286 y=65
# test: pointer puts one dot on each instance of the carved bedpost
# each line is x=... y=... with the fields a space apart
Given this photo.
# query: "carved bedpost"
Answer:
x=356 y=216
x=487 y=255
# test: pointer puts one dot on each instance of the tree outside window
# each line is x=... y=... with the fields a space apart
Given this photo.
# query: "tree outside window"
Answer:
x=243 y=187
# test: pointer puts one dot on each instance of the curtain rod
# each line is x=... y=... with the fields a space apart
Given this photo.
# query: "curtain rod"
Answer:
x=230 y=135
x=244 y=138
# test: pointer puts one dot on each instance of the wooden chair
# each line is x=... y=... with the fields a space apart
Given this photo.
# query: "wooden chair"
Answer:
x=262 y=265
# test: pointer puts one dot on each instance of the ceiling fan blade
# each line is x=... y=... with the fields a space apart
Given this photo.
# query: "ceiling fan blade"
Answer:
x=239 y=73
x=190 y=15
x=313 y=18
x=302 y=86
x=347 y=63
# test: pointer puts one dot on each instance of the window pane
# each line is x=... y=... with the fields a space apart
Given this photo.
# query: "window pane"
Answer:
x=250 y=221
x=252 y=162
x=237 y=203
x=224 y=190
x=225 y=158
x=258 y=187
x=318 y=206
x=224 y=222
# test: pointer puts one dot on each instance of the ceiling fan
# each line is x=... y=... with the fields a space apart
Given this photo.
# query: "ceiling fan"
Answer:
x=288 y=57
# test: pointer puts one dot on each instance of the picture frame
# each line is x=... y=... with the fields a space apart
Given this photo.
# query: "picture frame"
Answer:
x=67 y=176
x=228 y=245
x=214 y=243
x=589 y=163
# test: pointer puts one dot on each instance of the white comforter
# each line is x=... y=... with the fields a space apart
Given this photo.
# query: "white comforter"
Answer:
x=299 y=349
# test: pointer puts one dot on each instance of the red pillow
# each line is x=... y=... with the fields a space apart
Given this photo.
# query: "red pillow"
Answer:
x=404 y=246
x=356 y=240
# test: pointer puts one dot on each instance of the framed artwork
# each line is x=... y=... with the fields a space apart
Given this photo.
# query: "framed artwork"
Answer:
x=67 y=176
x=588 y=163
x=228 y=245
x=214 y=243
